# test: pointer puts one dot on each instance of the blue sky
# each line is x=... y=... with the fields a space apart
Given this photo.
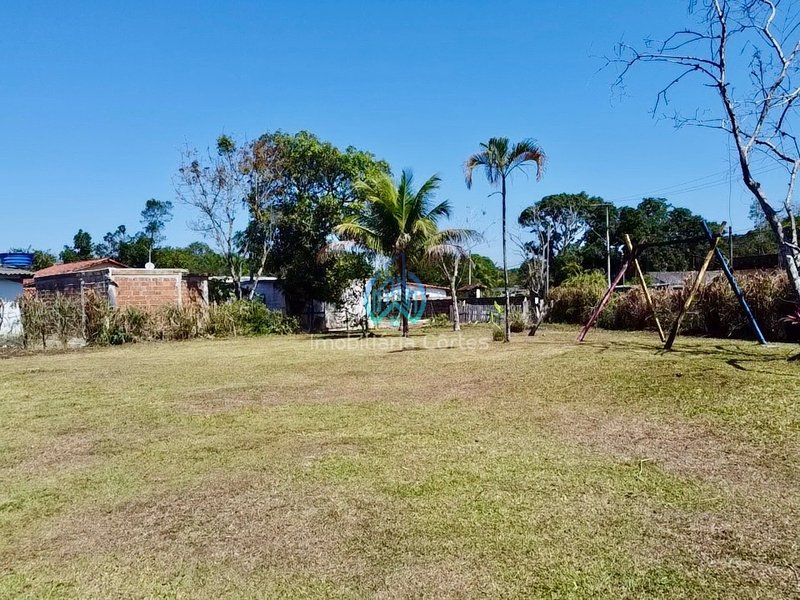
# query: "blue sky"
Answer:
x=97 y=99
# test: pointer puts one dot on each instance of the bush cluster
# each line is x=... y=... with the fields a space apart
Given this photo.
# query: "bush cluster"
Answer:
x=248 y=317
x=517 y=321
x=573 y=300
x=99 y=324
x=440 y=320
x=714 y=312
x=58 y=316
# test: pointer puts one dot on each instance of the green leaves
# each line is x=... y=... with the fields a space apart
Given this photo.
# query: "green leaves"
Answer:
x=396 y=218
x=499 y=159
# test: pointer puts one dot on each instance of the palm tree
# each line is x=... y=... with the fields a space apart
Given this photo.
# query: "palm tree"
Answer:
x=500 y=159
x=400 y=223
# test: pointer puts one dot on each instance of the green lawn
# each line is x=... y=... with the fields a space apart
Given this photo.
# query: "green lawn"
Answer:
x=299 y=467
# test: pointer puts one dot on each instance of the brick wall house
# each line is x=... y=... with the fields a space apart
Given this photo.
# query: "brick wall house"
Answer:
x=124 y=286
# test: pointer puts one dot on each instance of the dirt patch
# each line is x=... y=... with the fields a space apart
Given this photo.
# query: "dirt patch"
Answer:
x=445 y=579
x=684 y=449
x=251 y=527
x=746 y=539
x=759 y=547
x=64 y=452
x=236 y=397
x=250 y=522
x=312 y=391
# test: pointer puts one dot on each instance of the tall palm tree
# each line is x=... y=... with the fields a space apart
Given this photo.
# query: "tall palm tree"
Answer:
x=499 y=160
x=400 y=223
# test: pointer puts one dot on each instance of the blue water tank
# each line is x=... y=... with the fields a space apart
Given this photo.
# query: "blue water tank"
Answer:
x=17 y=260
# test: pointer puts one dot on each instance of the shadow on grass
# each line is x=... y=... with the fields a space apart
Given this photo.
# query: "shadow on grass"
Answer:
x=734 y=355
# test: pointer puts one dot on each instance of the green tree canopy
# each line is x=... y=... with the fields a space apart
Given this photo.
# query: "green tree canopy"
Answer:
x=400 y=222
x=81 y=248
x=154 y=217
x=654 y=220
x=310 y=189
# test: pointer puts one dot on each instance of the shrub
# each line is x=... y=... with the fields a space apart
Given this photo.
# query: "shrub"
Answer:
x=45 y=316
x=574 y=299
x=718 y=310
x=498 y=335
x=714 y=312
x=179 y=322
x=98 y=316
x=607 y=318
x=440 y=320
x=36 y=320
x=248 y=317
x=101 y=324
x=133 y=324
x=517 y=321
x=769 y=296
x=793 y=318
x=220 y=321
x=66 y=318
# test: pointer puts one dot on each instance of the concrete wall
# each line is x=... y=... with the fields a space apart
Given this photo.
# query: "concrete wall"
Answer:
x=270 y=292
x=10 y=321
x=10 y=290
x=351 y=311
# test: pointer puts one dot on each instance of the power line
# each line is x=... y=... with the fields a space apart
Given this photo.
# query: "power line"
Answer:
x=716 y=180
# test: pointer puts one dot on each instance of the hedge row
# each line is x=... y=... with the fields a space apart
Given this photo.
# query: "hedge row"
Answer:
x=64 y=318
x=715 y=311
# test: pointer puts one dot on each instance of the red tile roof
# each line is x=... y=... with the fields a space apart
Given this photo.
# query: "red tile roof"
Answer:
x=81 y=265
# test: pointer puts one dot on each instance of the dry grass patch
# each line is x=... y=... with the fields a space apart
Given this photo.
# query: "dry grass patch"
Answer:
x=461 y=468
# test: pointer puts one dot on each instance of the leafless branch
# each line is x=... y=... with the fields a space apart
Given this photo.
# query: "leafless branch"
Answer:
x=758 y=114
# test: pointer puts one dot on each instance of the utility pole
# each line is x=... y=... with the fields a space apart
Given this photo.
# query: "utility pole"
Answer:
x=608 y=241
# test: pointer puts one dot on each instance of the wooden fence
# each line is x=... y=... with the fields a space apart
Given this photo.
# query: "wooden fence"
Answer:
x=473 y=310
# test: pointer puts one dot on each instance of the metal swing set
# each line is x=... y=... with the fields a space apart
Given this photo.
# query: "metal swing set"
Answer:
x=631 y=256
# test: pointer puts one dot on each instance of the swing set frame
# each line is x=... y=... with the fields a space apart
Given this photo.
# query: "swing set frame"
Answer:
x=631 y=256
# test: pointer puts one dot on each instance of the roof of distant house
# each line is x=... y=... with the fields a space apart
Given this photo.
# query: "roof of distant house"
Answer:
x=679 y=278
x=471 y=286
x=80 y=266
x=14 y=273
x=431 y=286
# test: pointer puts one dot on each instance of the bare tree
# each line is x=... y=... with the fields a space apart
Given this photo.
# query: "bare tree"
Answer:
x=746 y=51
x=217 y=185
x=262 y=164
x=450 y=260
x=535 y=259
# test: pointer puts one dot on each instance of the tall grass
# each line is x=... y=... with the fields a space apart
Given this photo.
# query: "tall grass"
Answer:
x=99 y=324
x=715 y=311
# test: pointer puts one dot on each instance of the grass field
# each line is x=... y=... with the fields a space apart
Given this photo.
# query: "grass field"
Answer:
x=300 y=467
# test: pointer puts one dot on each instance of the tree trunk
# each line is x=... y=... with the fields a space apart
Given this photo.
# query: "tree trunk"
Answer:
x=404 y=310
x=505 y=267
x=788 y=254
x=236 y=276
x=456 y=316
x=254 y=280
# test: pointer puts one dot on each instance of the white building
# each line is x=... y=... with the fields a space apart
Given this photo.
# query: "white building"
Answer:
x=10 y=291
x=267 y=290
